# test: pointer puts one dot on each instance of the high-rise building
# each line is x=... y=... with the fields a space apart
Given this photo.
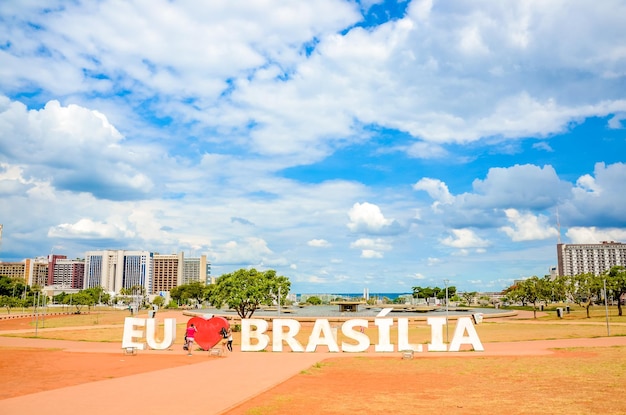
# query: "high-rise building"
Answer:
x=52 y=260
x=174 y=269
x=575 y=259
x=168 y=272
x=196 y=270
x=117 y=269
x=68 y=273
x=14 y=270
x=37 y=271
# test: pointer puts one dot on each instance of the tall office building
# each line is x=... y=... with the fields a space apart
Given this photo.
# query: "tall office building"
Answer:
x=52 y=260
x=174 y=269
x=168 y=272
x=37 y=271
x=196 y=270
x=14 y=270
x=68 y=273
x=117 y=269
x=575 y=259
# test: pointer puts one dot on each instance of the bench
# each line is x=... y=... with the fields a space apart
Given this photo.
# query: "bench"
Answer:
x=130 y=351
x=215 y=351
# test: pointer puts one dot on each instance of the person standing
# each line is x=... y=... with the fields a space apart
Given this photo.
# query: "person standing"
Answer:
x=224 y=334
x=229 y=344
x=190 y=334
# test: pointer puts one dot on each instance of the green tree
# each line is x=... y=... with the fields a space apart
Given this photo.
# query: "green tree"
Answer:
x=559 y=288
x=79 y=300
x=616 y=283
x=440 y=293
x=468 y=296
x=11 y=286
x=423 y=292
x=9 y=302
x=533 y=290
x=97 y=294
x=158 y=301
x=196 y=291
x=583 y=289
x=313 y=300
x=245 y=290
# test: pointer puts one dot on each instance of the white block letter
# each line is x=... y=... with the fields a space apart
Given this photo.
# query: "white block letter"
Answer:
x=403 y=336
x=436 y=334
x=293 y=327
x=169 y=334
x=322 y=327
x=247 y=333
x=384 y=341
x=363 y=342
x=131 y=333
x=464 y=324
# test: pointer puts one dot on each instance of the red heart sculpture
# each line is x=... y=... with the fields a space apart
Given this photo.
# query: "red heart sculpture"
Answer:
x=208 y=334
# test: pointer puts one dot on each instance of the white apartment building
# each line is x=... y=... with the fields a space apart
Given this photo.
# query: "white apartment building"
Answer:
x=575 y=259
x=117 y=269
x=196 y=270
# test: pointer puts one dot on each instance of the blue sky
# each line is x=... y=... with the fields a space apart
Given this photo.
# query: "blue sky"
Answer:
x=348 y=145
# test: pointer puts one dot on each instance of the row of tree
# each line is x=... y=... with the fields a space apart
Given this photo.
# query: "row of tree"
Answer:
x=583 y=289
x=436 y=292
x=244 y=291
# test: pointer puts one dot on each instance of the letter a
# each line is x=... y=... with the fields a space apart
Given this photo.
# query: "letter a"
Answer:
x=465 y=324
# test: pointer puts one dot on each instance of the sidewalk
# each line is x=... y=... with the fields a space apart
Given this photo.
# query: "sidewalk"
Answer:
x=212 y=386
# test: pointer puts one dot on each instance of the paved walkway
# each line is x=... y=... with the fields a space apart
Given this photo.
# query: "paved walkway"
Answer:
x=221 y=383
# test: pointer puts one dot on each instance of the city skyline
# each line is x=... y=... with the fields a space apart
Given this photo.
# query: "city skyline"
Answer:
x=344 y=144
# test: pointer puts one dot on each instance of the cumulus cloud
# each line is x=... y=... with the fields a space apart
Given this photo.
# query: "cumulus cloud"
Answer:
x=250 y=251
x=523 y=186
x=368 y=218
x=593 y=235
x=464 y=238
x=371 y=248
x=596 y=199
x=319 y=243
x=528 y=227
x=88 y=229
x=77 y=148
x=435 y=188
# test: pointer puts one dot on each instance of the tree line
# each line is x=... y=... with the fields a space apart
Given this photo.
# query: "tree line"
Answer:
x=583 y=289
x=244 y=291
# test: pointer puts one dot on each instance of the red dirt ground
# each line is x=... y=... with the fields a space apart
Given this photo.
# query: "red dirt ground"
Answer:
x=41 y=369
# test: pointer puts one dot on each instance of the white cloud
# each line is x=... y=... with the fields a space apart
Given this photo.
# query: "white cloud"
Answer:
x=528 y=186
x=527 y=227
x=433 y=261
x=88 y=229
x=370 y=253
x=464 y=238
x=616 y=122
x=252 y=251
x=592 y=235
x=77 y=148
x=371 y=248
x=368 y=218
x=319 y=243
x=597 y=199
x=436 y=189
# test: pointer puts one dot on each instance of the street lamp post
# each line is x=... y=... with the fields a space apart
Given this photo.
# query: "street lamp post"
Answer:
x=446 y=281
